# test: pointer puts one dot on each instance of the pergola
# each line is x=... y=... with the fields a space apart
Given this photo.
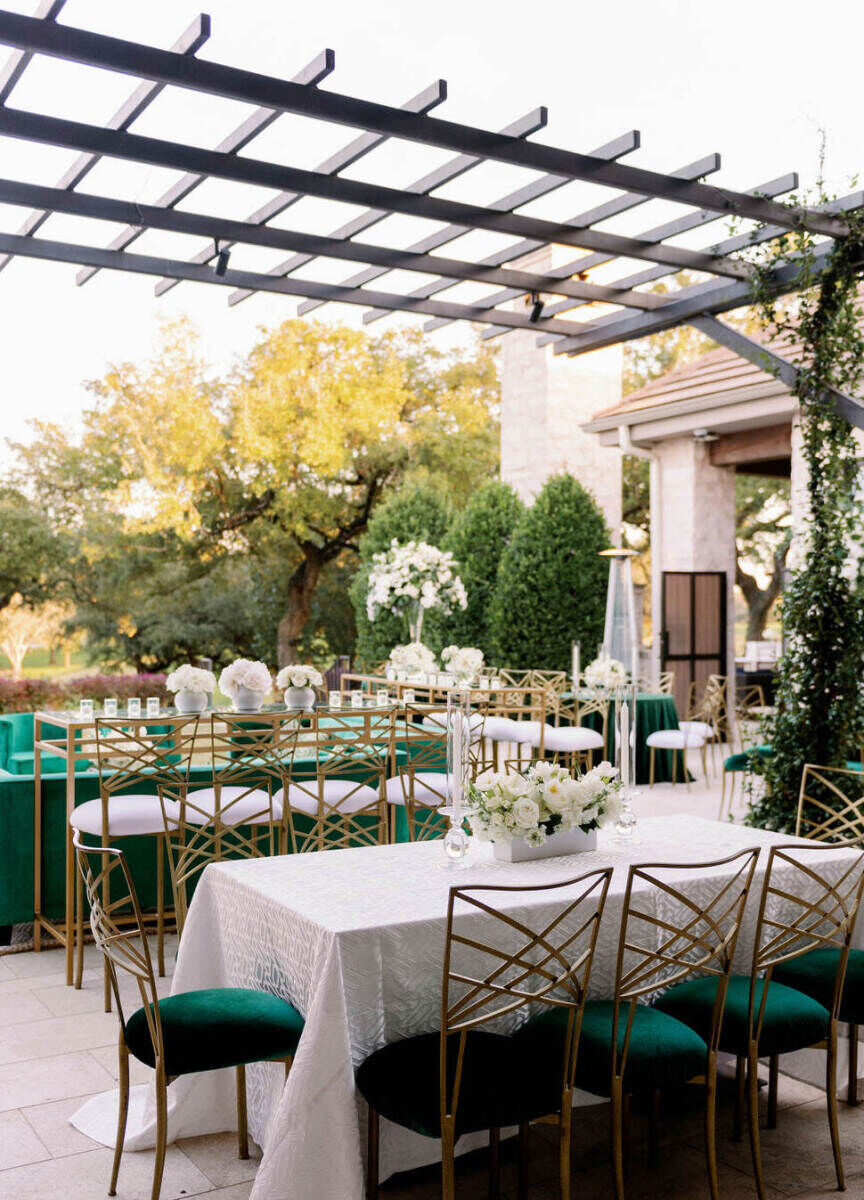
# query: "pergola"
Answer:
x=621 y=308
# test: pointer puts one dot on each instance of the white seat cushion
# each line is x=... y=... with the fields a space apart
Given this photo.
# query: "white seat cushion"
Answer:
x=702 y=728
x=499 y=729
x=238 y=806
x=568 y=739
x=527 y=733
x=430 y=788
x=344 y=794
x=674 y=739
x=127 y=815
x=437 y=721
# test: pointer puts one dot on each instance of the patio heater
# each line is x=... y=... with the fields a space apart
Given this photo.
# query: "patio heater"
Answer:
x=620 y=640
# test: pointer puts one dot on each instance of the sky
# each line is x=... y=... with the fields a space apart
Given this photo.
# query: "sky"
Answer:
x=754 y=80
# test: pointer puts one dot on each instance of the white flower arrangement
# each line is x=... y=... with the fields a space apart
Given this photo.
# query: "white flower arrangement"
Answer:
x=299 y=676
x=413 y=658
x=243 y=672
x=542 y=801
x=465 y=662
x=414 y=574
x=606 y=672
x=192 y=679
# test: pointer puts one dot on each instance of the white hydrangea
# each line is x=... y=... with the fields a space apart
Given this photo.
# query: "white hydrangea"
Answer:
x=243 y=672
x=192 y=679
x=299 y=676
x=466 y=662
x=413 y=658
x=541 y=801
x=412 y=573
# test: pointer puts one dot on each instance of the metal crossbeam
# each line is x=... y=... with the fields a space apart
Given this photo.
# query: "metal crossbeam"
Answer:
x=848 y=407
x=104 y=208
x=141 y=264
x=446 y=173
x=16 y=64
x=741 y=241
x=189 y=42
x=319 y=68
x=703 y=298
x=540 y=187
x=76 y=135
x=356 y=149
x=602 y=212
x=148 y=62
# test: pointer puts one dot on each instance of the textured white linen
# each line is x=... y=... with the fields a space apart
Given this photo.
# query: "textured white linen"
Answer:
x=354 y=939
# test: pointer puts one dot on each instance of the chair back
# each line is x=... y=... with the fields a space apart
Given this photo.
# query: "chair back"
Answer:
x=131 y=751
x=668 y=935
x=810 y=899
x=422 y=732
x=349 y=752
x=118 y=929
x=497 y=962
x=233 y=817
x=666 y=683
x=831 y=804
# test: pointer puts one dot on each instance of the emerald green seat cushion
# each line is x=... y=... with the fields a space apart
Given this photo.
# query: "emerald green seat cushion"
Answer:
x=217 y=1027
x=742 y=761
x=662 y=1051
x=814 y=973
x=22 y=762
x=502 y=1082
x=792 y=1020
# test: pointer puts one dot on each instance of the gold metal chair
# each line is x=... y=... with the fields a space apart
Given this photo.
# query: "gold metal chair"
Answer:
x=667 y=936
x=495 y=965
x=143 y=764
x=240 y=814
x=422 y=784
x=165 y=1034
x=831 y=808
x=336 y=795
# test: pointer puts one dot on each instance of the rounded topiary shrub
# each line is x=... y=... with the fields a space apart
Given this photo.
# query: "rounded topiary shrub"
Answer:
x=551 y=587
x=479 y=536
x=417 y=513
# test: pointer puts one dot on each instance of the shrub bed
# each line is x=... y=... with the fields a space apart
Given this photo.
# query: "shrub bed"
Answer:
x=28 y=695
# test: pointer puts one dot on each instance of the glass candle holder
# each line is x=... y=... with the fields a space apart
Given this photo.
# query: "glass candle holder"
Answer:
x=85 y=709
x=335 y=699
x=110 y=707
x=484 y=683
x=133 y=707
x=356 y=699
x=152 y=706
x=382 y=696
x=409 y=696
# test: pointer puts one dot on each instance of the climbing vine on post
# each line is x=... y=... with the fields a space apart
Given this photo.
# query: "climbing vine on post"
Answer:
x=819 y=694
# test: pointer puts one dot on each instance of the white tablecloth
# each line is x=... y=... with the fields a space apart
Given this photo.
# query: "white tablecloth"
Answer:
x=354 y=939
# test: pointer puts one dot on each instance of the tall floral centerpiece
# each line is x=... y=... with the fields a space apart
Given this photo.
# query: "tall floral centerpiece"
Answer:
x=544 y=811
x=606 y=673
x=190 y=686
x=411 y=579
x=412 y=659
x=246 y=683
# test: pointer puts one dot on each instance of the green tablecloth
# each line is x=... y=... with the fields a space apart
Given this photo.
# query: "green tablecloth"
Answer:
x=654 y=710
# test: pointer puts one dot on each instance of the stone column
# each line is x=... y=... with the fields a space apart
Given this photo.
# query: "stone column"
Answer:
x=545 y=400
x=696 y=510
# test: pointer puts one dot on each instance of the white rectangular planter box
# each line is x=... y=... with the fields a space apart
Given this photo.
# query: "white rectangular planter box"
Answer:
x=569 y=841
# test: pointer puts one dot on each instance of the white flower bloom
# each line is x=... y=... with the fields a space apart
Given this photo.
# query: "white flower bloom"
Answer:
x=189 y=678
x=606 y=672
x=299 y=676
x=243 y=672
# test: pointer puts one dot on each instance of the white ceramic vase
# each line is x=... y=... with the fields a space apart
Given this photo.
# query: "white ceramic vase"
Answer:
x=187 y=701
x=245 y=700
x=569 y=841
x=297 y=697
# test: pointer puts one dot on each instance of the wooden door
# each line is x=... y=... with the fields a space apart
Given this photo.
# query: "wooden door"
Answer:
x=693 y=629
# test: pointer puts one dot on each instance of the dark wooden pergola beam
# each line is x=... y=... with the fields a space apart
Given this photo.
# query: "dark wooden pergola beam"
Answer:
x=355 y=149
x=141 y=264
x=173 y=220
x=147 y=62
x=189 y=42
x=76 y=135
x=16 y=64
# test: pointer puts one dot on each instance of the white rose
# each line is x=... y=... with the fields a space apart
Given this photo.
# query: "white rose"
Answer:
x=526 y=814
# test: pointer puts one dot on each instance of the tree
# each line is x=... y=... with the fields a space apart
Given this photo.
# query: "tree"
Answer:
x=479 y=537
x=417 y=512
x=285 y=459
x=551 y=586
x=763 y=533
x=23 y=627
x=31 y=554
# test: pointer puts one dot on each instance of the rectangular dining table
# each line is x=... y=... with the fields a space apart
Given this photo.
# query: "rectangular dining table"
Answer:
x=354 y=939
